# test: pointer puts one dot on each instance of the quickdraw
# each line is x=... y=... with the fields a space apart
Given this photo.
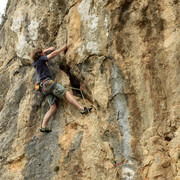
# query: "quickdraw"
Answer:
x=11 y=60
x=37 y=87
x=123 y=162
x=82 y=86
x=51 y=6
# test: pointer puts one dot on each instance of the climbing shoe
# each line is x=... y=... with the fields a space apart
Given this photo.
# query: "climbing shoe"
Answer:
x=45 y=130
x=85 y=110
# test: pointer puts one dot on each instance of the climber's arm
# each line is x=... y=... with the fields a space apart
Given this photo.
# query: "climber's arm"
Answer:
x=49 y=49
x=56 y=52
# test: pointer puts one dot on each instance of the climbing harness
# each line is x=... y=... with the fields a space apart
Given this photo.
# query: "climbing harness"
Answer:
x=41 y=86
x=51 y=6
x=44 y=84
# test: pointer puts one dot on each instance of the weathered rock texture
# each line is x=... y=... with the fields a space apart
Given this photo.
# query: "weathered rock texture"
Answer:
x=127 y=54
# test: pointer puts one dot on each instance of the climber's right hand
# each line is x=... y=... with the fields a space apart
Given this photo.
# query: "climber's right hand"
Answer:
x=56 y=52
x=52 y=48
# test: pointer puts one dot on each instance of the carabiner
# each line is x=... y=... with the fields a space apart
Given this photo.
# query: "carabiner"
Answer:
x=51 y=6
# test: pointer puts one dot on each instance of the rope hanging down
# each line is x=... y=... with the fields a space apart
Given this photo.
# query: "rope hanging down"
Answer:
x=80 y=89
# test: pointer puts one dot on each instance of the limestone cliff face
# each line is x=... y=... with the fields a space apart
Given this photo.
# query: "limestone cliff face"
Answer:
x=127 y=55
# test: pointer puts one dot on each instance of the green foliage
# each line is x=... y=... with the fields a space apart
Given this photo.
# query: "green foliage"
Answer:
x=4 y=16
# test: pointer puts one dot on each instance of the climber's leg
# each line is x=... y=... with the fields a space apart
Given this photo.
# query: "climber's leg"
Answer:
x=49 y=114
x=70 y=98
x=60 y=91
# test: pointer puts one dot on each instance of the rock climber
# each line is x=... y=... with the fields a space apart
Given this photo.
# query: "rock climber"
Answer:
x=51 y=89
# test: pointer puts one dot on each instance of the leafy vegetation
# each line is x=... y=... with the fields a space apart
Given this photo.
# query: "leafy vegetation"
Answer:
x=4 y=16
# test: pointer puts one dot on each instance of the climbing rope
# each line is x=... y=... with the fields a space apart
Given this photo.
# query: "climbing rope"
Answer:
x=114 y=117
x=98 y=135
x=80 y=89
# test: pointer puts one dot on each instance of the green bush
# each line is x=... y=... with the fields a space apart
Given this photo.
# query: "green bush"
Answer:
x=4 y=16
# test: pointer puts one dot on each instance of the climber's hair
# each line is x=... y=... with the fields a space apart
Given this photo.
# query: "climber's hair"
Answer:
x=36 y=53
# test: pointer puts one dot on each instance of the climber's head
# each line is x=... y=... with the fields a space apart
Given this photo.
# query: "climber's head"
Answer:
x=38 y=52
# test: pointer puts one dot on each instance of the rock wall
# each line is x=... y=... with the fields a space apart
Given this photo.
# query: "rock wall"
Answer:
x=126 y=53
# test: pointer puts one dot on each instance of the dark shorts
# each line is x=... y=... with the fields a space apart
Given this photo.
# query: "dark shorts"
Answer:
x=54 y=91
